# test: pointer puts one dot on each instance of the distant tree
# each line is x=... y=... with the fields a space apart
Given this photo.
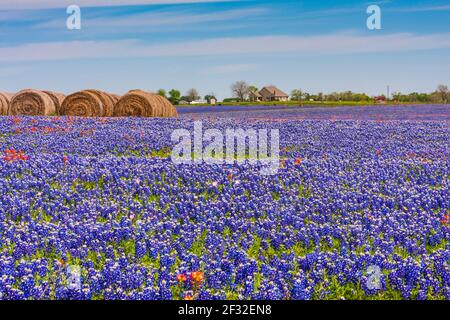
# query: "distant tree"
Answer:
x=435 y=97
x=414 y=97
x=347 y=96
x=192 y=95
x=174 y=96
x=343 y=96
x=397 y=96
x=423 y=97
x=443 y=92
x=252 y=91
x=162 y=93
x=296 y=95
x=334 y=96
x=360 y=97
x=240 y=90
x=209 y=97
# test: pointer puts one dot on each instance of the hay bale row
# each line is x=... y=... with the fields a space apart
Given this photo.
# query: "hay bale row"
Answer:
x=136 y=103
x=86 y=103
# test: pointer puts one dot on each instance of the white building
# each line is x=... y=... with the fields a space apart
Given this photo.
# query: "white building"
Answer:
x=199 y=102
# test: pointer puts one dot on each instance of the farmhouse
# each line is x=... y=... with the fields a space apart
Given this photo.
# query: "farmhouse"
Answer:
x=272 y=93
x=255 y=96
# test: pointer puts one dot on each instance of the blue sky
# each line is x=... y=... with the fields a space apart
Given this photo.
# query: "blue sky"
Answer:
x=313 y=45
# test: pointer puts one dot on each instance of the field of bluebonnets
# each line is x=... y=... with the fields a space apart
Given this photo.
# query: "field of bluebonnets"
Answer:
x=353 y=196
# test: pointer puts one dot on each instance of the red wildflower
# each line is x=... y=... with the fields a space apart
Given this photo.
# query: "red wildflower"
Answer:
x=196 y=277
x=17 y=120
x=181 y=277
x=378 y=152
x=411 y=154
x=298 y=161
x=188 y=297
x=230 y=176
x=13 y=155
x=446 y=219
x=65 y=160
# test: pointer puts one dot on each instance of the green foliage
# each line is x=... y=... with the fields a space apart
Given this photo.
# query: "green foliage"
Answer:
x=162 y=92
x=174 y=96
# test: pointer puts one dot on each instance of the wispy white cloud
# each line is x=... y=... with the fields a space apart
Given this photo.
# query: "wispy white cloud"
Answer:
x=160 y=19
x=46 y=4
x=307 y=45
x=14 y=15
x=424 y=9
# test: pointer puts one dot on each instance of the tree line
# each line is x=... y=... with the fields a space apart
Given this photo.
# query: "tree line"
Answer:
x=440 y=95
x=192 y=94
x=241 y=91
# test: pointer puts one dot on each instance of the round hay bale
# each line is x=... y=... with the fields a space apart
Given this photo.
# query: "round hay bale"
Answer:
x=107 y=102
x=138 y=103
x=31 y=103
x=166 y=110
x=173 y=113
x=169 y=109
x=57 y=98
x=157 y=106
x=5 y=99
x=82 y=104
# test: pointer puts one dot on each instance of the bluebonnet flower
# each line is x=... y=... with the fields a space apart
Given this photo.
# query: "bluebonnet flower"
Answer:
x=365 y=193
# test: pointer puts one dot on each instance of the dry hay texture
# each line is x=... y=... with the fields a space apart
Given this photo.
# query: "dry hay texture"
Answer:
x=114 y=97
x=138 y=103
x=5 y=99
x=31 y=102
x=57 y=98
x=88 y=103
